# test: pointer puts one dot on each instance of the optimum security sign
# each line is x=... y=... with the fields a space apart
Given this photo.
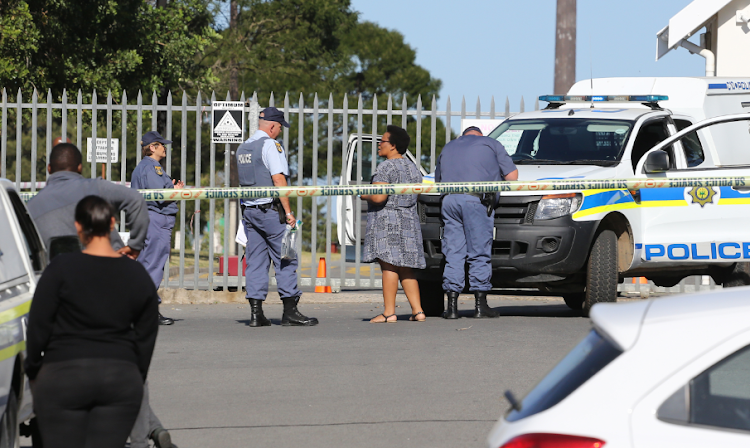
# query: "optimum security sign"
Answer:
x=228 y=121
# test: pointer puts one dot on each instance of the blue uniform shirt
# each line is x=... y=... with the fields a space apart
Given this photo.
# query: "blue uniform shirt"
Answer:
x=150 y=175
x=473 y=158
x=274 y=158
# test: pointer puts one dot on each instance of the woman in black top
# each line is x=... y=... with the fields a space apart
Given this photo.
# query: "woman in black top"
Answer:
x=92 y=329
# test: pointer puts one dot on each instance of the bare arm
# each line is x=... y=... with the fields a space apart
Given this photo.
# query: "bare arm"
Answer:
x=375 y=198
x=513 y=175
x=279 y=180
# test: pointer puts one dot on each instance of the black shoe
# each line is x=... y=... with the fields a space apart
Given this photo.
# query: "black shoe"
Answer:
x=292 y=316
x=451 y=312
x=161 y=438
x=481 y=309
x=165 y=320
x=257 y=319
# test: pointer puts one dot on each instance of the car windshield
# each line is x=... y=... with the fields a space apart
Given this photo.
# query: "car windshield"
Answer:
x=583 y=362
x=564 y=141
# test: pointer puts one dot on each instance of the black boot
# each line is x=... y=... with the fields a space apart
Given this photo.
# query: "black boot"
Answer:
x=481 y=309
x=165 y=320
x=292 y=316
x=257 y=319
x=451 y=312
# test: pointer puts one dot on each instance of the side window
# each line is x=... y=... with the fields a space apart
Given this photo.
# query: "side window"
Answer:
x=650 y=135
x=366 y=164
x=692 y=144
x=33 y=242
x=719 y=397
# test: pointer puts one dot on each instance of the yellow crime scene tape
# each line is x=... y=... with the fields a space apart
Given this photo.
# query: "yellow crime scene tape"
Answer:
x=188 y=194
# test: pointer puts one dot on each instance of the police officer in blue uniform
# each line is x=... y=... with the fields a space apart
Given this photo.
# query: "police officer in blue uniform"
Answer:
x=261 y=162
x=149 y=174
x=467 y=235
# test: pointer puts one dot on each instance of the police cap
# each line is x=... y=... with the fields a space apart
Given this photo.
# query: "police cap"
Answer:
x=153 y=137
x=273 y=114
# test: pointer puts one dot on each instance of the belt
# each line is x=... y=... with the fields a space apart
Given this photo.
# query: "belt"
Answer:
x=265 y=206
x=477 y=195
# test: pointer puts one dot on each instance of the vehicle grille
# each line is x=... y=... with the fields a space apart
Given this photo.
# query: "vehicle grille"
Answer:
x=516 y=210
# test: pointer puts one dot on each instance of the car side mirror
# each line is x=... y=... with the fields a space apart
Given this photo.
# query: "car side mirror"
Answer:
x=656 y=162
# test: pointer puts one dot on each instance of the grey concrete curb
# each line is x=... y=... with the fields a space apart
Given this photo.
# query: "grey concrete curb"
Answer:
x=174 y=296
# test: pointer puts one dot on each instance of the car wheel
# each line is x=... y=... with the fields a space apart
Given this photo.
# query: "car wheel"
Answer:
x=9 y=437
x=574 y=300
x=739 y=276
x=602 y=275
x=432 y=297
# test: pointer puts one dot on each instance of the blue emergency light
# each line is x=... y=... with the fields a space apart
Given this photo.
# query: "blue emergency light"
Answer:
x=603 y=98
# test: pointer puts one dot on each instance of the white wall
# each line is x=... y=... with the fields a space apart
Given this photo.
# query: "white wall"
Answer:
x=733 y=41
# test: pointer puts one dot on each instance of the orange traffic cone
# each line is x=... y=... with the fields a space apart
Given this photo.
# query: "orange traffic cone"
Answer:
x=640 y=280
x=322 y=274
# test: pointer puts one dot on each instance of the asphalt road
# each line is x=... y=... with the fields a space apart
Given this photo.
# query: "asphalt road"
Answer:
x=215 y=382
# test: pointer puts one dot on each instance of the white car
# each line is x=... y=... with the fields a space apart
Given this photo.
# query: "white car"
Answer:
x=664 y=372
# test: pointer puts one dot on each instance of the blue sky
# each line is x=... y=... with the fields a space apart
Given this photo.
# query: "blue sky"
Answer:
x=506 y=48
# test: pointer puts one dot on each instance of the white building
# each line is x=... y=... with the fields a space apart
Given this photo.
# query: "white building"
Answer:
x=725 y=44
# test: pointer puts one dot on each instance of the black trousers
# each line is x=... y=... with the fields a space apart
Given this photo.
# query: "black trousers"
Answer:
x=87 y=403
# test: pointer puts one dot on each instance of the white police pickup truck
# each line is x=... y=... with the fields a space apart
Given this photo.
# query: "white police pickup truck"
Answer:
x=22 y=259
x=581 y=243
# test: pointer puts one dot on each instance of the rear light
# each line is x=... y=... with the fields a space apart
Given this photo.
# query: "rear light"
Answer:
x=553 y=441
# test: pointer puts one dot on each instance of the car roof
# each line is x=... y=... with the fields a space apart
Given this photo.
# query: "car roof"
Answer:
x=581 y=110
x=622 y=322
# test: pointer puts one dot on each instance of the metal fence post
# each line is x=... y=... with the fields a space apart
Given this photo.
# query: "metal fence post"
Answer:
x=197 y=204
x=19 y=136
x=92 y=151
x=48 y=132
x=4 y=136
x=34 y=106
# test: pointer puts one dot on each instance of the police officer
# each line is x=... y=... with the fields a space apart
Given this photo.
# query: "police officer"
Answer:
x=261 y=162
x=149 y=175
x=467 y=234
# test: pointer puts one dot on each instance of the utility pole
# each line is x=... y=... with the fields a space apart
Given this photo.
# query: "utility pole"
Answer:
x=565 y=46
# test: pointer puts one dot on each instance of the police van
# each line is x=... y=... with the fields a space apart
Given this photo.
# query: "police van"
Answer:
x=22 y=259
x=581 y=243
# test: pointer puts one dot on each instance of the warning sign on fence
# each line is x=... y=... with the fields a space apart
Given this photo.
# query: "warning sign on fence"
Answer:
x=101 y=150
x=228 y=120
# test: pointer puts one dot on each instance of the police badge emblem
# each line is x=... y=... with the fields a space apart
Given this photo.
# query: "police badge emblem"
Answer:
x=278 y=146
x=159 y=171
x=702 y=195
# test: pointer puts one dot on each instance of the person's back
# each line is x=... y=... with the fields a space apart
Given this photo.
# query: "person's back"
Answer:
x=87 y=323
x=469 y=158
x=91 y=333
x=52 y=209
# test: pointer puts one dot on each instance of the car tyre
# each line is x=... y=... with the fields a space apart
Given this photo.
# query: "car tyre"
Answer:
x=601 y=275
x=9 y=436
x=739 y=276
x=432 y=297
x=574 y=300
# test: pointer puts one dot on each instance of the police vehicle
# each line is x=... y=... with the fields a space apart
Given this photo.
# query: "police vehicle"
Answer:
x=581 y=243
x=22 y=259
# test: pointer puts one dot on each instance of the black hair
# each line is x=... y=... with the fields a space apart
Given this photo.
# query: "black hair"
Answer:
x=399 y=138
x=65 y=157
x=94 y=214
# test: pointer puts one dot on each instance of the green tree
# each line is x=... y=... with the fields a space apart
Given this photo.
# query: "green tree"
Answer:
x=105 y=45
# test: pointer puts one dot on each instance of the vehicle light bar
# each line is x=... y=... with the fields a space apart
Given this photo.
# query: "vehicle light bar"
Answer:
x=603 y=98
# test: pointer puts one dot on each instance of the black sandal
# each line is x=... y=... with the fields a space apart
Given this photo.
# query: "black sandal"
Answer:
x=386 y=321
x=413 y=317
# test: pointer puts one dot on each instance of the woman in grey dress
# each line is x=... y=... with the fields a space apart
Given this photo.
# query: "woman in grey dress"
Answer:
x=393 y=236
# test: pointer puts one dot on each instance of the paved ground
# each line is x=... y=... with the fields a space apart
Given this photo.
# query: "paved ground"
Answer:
x=218 y=383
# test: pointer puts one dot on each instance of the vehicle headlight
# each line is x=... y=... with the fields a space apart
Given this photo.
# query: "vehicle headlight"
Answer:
x=557 y=205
